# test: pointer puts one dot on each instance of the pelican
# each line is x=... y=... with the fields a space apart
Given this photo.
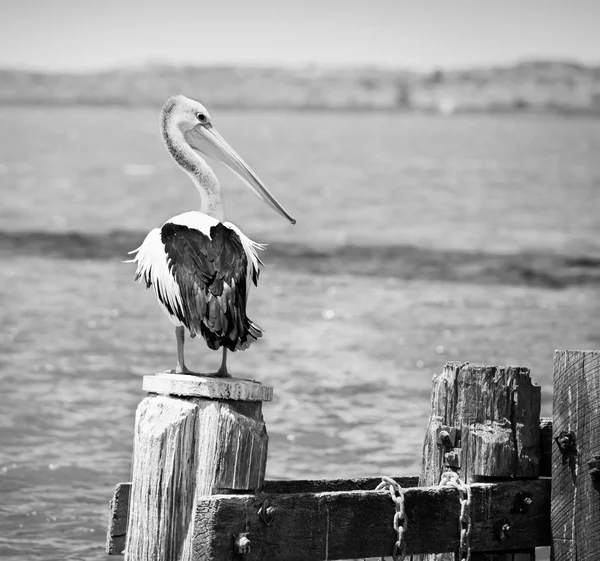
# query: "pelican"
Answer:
x=200 y=267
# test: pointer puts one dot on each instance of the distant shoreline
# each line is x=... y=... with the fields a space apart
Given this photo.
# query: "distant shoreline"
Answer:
x=534 y=87
x=565 y=112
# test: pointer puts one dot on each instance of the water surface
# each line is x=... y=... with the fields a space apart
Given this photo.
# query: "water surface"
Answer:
x=419 y=240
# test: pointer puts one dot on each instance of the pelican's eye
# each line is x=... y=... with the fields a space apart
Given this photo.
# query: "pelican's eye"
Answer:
x=202 y=118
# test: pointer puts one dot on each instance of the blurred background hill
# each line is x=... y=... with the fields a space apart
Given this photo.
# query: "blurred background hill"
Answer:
x=537 y=86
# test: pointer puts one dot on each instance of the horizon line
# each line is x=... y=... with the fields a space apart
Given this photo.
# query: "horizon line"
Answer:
x=384 y=67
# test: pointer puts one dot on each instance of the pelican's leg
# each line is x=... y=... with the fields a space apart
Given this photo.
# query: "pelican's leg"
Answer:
x=180 y=336
x=181 y=368
x=223 y=370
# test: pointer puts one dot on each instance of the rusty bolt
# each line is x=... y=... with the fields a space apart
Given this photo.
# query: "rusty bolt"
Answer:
x=266 y=513
x=242 y=544
x=566 y=442
x=502 y=529
x=451 y=459
x=523 y=503
x=444 y=438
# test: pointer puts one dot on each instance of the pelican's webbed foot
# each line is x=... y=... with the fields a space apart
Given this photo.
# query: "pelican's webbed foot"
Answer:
x=184 y=370
x=218 y=374
x=222 y=372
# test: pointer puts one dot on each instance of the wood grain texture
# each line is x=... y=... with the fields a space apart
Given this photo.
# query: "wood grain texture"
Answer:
x=185 y=449
x=494 y=412
x=575 y=500
x=117 y=522
x=324 y=485
x=300 y=486
x=357 y=524
x=201 y=386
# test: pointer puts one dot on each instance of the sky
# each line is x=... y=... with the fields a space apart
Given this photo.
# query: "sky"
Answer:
x=86 y=35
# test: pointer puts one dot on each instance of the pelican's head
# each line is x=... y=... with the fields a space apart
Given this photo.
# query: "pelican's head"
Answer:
x=193 y=121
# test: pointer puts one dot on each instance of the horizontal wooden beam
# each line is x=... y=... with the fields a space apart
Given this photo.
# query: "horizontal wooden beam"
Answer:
x=507 y=516
x=119 y=504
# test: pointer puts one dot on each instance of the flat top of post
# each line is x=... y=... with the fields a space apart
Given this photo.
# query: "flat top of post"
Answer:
x=186 y=385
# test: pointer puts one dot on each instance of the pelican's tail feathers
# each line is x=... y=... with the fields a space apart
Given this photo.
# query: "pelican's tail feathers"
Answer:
x=254 y=330
x=253 y=333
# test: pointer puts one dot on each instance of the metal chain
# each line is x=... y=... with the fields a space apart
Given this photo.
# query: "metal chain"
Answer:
x=400 y=523
x=451 y=479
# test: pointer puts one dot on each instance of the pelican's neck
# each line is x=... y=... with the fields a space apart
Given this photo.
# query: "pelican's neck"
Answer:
x=193 y=164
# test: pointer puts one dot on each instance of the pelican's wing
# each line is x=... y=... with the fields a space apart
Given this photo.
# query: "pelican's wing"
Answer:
x=210 y=270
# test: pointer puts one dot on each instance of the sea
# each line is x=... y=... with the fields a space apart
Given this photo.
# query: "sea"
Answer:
x=421 y=239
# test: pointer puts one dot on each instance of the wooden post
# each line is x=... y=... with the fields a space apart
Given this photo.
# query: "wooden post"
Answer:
x=194 y=436
x=485 y=425
x=575 y=508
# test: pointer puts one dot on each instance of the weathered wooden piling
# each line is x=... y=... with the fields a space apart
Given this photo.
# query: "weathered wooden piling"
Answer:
x=485 y=426
x=198 y=490
x=576 y=456
x=194 y=436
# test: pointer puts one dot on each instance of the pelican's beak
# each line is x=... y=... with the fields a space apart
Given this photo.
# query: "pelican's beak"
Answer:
x=206 y=139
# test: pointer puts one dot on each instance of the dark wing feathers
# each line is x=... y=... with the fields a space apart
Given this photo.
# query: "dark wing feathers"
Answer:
x=211 y=275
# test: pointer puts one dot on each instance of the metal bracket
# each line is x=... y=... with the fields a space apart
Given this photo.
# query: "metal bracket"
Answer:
x=448 y=437
x=452 y=459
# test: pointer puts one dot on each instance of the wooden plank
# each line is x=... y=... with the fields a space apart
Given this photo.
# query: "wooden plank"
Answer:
x=117 y=522
x=515 y=556
x=323 y=485
x=357 y=524
x=119 y=504
x=575 y=500
x=274 y=486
